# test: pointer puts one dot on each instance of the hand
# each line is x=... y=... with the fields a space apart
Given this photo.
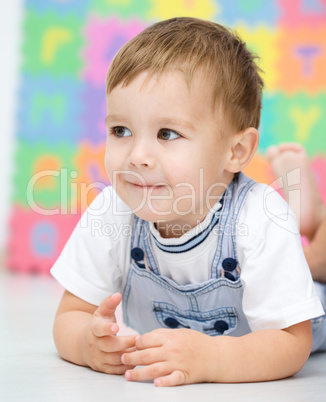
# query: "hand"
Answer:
x=101 y=347
x=171 y=357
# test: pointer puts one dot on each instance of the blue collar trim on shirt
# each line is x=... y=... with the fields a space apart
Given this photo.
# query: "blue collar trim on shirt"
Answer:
x=194 y=241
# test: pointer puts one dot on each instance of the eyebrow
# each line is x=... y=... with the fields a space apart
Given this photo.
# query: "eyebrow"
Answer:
x=164 y=121
x=115 y=117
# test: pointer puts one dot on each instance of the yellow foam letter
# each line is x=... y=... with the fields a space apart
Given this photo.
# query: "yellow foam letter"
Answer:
x=304 y=119
x=52 y=40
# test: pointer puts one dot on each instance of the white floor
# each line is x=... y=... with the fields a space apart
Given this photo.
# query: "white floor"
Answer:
x=31 y=370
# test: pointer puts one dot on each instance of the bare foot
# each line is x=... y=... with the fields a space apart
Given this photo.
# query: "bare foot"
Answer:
x=290 y=162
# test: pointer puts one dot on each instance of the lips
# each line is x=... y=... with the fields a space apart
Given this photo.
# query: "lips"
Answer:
x=141 y=182
x=148 y=186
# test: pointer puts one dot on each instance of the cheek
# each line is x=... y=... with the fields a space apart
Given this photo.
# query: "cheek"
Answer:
x=112 y=157
x=106 y=158
x=107 y=161
x=111 y=165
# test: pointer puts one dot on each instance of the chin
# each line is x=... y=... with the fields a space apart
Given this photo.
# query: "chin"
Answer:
x=148 y=215
x=152 y=214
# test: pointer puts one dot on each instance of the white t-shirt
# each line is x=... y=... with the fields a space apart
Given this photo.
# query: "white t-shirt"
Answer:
x=278 y=288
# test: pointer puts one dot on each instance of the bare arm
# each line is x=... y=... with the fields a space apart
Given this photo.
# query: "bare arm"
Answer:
x=72 y=318
x=84 y=334
x=175 y=357
x=266 y=355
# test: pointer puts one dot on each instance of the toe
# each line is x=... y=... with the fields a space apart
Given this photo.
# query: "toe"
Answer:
x=272 y=152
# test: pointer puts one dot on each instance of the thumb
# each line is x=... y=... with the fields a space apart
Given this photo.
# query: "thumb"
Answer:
x=108 y=306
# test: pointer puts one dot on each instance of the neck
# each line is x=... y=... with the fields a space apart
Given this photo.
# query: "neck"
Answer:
x=172 y=229
x=178 y=227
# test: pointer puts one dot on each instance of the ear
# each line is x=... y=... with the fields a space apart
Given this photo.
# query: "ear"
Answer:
x=243 y=148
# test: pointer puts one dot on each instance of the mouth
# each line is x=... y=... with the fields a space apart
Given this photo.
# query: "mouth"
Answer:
x=148 y=186
x=140 y=183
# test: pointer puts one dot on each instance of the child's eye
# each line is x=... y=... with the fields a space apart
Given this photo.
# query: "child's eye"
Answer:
x=167 y=135
x=120 y=131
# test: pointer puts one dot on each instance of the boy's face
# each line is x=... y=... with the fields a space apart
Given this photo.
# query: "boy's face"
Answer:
x=165 y=156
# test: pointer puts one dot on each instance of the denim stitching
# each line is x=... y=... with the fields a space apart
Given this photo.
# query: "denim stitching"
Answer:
x=165 y=310
x=223 y=220
x=240 y=200
x=201 y=289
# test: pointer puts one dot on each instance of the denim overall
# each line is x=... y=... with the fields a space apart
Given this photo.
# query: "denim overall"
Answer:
x=213 y=307
x=319 y=324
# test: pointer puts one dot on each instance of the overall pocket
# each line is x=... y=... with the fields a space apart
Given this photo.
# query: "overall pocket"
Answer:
x=220 y=321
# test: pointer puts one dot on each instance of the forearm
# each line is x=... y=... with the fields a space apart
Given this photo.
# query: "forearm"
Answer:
x=260 y=356
x=69 y=334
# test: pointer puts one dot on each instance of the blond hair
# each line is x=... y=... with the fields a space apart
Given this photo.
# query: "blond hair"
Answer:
x=189 y=44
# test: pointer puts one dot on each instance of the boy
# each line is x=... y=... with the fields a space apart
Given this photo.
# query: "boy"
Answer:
x=212 y=276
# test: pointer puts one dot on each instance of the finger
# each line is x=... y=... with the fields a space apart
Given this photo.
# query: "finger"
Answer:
x=132 y=349
x=108 y=306
x=151 y=339
x=114 y=359
x=143 y=357
x=111 y=344
x=177 y=377
x=148 y=372
x=109 y=369
x=103 y=327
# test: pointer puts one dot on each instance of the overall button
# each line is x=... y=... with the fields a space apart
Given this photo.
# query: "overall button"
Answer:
x=171 y=322
x=229 y=264
x=229 y=276
x=137 y=254
x=221 y=326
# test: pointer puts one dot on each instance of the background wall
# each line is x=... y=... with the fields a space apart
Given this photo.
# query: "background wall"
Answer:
x=58 y=123
x=11 y=14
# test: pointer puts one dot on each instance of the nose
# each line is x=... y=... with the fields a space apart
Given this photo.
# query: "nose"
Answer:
x=141 y=155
